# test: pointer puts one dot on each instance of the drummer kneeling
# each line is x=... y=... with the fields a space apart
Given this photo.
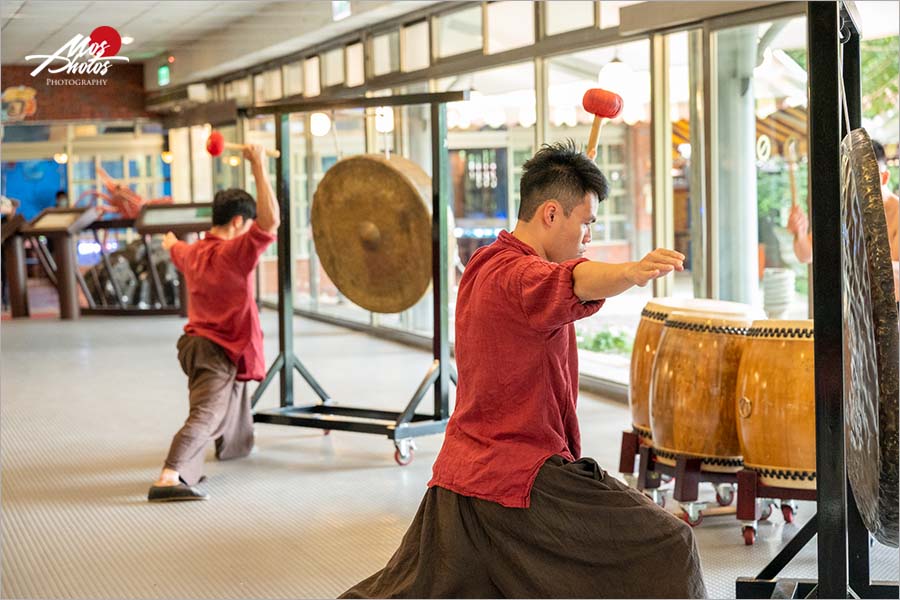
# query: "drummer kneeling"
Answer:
x=513 y=510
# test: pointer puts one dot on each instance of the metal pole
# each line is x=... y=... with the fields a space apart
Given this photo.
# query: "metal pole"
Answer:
x=824 y=158
x=857 y=534
x=440 y=191
x=285 y=259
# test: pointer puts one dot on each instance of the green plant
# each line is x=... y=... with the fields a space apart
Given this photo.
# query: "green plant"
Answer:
x=618 y=342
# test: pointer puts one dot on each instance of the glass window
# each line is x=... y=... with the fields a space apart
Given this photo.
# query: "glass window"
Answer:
x=334 y=67
x=201 y=164
x=292 y=76
x=239 y=90
x=259 y=89
x=356 y=72
x=688 y=227
x=760 y=160
x=386 y=53
x=561 y=16
x=272 y=85
x=311 y=77
x=624 y=226
x=510 y=25
x=490 y=136
x=459 y=32
x=415 y=47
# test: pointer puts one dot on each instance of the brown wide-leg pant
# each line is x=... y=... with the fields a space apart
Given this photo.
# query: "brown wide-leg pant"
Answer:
x=219 y=409
x=585 y=535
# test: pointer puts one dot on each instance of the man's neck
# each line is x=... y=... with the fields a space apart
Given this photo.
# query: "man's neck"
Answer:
x=226 y=233
x=523 y=234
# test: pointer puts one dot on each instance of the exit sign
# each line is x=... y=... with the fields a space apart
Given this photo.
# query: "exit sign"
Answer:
x=163 y=76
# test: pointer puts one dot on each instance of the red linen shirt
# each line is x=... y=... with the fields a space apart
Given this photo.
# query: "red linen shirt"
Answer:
x=221 y=306
x=518 y=373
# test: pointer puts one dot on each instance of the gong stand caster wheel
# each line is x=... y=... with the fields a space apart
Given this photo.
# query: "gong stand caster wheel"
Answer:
x=404 y=452
x=326 y=432
x=724 y=494
x=766 y=511
x=657 y=496
x=749 y=533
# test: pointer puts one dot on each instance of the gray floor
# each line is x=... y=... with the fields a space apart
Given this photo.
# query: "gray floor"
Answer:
x=88 y=409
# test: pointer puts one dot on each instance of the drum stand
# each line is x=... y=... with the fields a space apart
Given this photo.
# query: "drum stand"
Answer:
x=688 y=475
x=756 y=501
x=402 y=426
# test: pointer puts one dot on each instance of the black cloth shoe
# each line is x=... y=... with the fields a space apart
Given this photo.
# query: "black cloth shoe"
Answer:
x=175 y=493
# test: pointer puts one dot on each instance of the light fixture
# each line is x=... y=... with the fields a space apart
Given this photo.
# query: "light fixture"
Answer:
x=384 y=119
x=127 y=39
x=319 y=124
x=171 y=59
x=234 y=160
x=61 y=158
x=167 y=157
x=617 y=76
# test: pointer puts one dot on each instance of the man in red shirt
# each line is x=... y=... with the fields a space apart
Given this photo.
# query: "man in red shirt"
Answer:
x=513 y=510
x=222 y=346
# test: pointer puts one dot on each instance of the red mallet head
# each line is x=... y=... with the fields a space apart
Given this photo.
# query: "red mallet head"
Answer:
x=602 y=103
x=215 y=145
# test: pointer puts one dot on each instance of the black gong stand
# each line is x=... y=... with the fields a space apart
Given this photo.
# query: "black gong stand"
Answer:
x=407 y=424
x=843 y=541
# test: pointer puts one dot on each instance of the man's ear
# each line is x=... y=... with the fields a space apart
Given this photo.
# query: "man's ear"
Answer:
x=885 y=177
x=550 y=212
x=237 y=221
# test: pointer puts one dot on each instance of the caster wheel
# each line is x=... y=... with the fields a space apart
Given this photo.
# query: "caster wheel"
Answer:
x=403 y=459
x=662 y=501
x=692 y=522
x=326 y=432
x=749 y=535
x=726 y=498
x=766 y=512
x=788 y=513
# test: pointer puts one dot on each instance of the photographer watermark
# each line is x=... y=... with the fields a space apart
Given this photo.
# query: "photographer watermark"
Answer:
x=91 y=55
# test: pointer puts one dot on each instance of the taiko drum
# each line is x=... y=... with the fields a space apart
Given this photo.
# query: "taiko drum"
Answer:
x=776 y=403
x=692 y=387
x=646 y=343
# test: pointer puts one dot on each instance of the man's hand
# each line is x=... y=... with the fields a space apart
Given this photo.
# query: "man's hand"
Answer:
x=658 y=263
x=798 y=223
x=255 y=154
x=168 y=241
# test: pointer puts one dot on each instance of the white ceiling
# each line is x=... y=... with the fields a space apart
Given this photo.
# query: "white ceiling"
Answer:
x=208 y=37
x=42 y=26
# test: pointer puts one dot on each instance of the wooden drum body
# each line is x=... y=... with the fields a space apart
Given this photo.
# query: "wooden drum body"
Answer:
x=646 y=343
x=692 y=390
x=776 y=404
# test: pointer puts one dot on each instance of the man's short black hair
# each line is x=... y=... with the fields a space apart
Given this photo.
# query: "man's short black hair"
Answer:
x=880 y=155
x=61 y=194
x=559 y=172
x=230 y=203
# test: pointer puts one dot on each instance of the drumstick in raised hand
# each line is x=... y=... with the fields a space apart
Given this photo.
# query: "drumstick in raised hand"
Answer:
x=604 y=105
x=216 y=144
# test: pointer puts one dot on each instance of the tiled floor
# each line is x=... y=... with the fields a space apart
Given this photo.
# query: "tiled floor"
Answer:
x=88 y=409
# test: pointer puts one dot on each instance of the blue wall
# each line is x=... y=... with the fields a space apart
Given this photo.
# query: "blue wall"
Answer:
x=34 y=183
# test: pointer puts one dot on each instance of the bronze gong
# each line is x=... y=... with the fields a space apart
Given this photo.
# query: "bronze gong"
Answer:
x=870 y=341
x=371 y=225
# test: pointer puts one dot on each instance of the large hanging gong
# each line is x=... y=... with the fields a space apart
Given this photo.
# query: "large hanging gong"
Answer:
x=871 y=359
x=371 y=224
